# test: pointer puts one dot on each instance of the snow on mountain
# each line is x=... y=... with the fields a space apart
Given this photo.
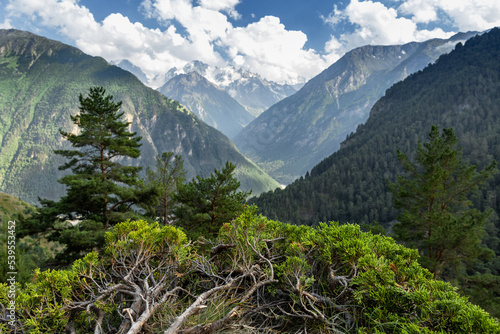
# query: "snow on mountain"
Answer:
x=252 y=91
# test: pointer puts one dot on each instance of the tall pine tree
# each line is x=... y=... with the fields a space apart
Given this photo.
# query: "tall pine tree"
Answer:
x=101 y=191
x=437 y=217
x=167 y=176
x=101 y=188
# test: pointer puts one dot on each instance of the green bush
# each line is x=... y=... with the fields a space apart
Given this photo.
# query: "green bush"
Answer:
x=259 y=275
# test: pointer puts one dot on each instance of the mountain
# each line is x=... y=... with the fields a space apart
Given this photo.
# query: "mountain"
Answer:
x=11 y=206
x=209 y=102
x=252 y=91
x=298 y=132
x=135 y=70
x=461 y=90
x=40 y=81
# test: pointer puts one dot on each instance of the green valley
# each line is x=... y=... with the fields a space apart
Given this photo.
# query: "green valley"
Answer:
x=40 y=81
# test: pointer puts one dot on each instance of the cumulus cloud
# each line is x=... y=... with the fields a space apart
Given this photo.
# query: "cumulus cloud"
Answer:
x=201 y=30
x=377 y=24
x=115 y=38
x=265 y=47
x=423 y=11
x=66 y=15
x=466 y=15
x=227 y=6
x=270 y=50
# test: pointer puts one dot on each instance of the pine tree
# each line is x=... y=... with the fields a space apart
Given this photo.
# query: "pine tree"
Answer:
x=101 y=191
x=436 y=216
x=168 y=174
x=101 y=188
x=207 y=203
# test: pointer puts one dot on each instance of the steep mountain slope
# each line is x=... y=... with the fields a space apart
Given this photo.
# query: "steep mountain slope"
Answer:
x=40 y=81
x=10 y=206
x=295 y=134
x=462 y=91
x=135 y=70
x=210 y=103
x=252 y=91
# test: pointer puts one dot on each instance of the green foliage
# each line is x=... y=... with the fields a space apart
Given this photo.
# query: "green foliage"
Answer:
x=327 y=279
x=207 y=203
x=56 y=300
x=434 y=197
x=482 y=289
x=100 y=187
x=168 y=174
x=101 y=190
x=29 y=251
x=461 y=91
x=43 y=304
x=130 y=236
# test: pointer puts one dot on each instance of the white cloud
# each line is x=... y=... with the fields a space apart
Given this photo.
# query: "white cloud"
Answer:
x=377 y=24
x=66 y=15
x=227 y=6
x=471 y=14
x=423 y=11
x=334 y=17
x=5 y=24
x=267 y=48
x=465 y=15
x=115 y=38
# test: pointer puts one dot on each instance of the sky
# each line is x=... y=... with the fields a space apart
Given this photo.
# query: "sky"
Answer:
x=286 y=41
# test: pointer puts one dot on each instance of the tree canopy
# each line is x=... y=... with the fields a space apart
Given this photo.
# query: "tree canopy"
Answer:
x=101 y=191
x=101 y=187
x=434 y=196
x=168 y=174
x=207 y=203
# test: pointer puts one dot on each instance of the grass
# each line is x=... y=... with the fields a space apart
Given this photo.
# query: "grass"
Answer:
x=10 y=205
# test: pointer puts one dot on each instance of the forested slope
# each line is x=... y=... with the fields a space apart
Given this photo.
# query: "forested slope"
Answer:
x=40 y=81
x=295 y=134
x=462 y=90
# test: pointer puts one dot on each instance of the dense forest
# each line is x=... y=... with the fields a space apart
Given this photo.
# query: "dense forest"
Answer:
x=460 y=91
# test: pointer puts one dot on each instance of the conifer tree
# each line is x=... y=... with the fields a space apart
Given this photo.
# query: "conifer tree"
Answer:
x=101 y=191
x=434 y=196
x=101 y=188
x=207 y=203
x=167 y=175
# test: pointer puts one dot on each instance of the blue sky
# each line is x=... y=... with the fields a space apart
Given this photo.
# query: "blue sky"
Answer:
x=282 y=40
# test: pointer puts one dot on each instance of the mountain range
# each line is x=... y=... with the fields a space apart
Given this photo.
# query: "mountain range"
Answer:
x=209 y=102
x=461 y=90
x=223 y=97
x=40 y=81
x=249 y=89
x=295 y=134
